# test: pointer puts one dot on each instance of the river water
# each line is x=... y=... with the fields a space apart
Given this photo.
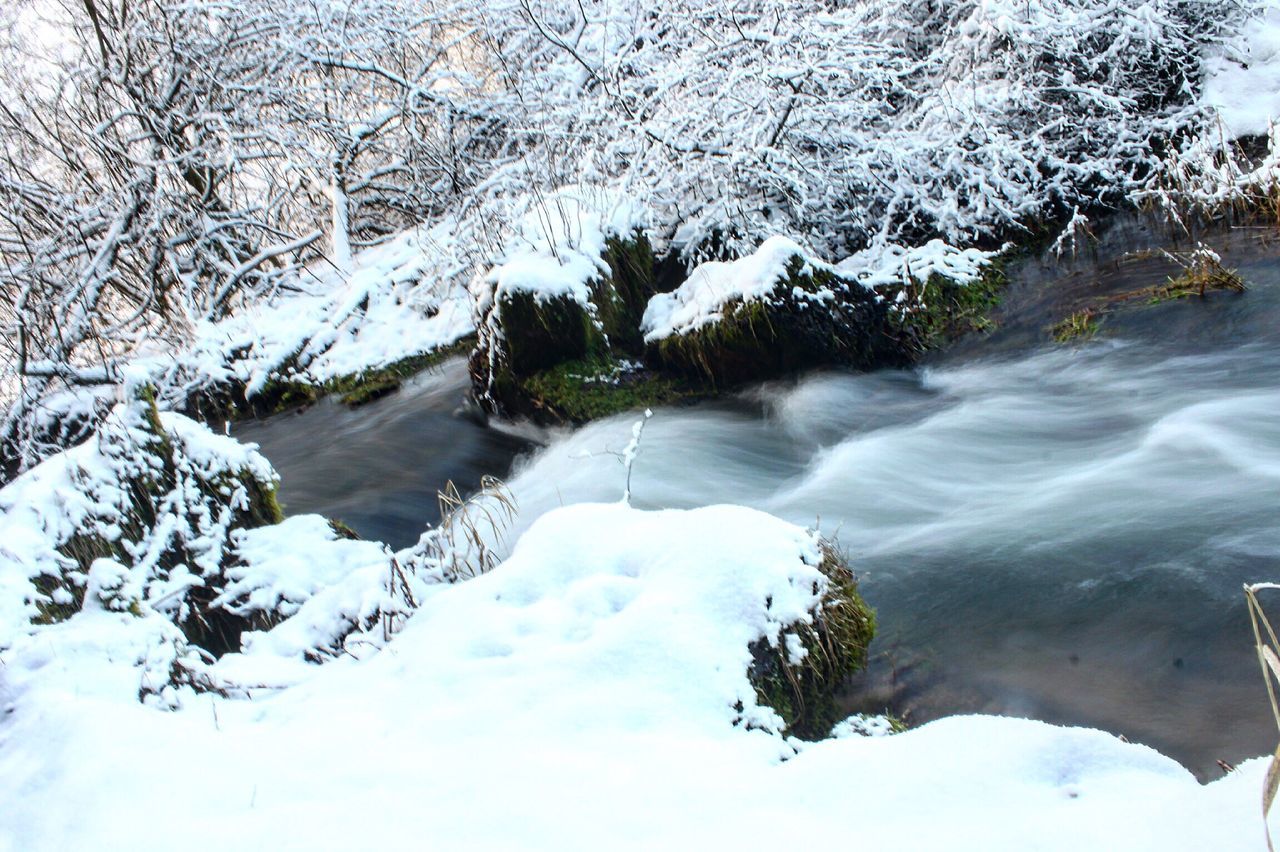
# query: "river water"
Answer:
x=1052 y=531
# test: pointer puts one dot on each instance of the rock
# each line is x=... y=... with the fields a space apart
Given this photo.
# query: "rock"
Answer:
x=767 y=315
x=537 y=333
x=800 y=675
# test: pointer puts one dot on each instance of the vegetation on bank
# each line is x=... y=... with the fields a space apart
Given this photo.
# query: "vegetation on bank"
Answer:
x=1202 y=275
x=799 y=675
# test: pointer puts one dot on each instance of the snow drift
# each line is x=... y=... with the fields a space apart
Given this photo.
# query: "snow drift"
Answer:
x=582 y=695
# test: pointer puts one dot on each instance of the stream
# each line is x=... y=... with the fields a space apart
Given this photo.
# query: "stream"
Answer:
x=1053 y=531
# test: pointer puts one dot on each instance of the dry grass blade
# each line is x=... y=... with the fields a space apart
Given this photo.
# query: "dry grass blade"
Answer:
x=459 y=547
x=468 y=525
x=1269 y=660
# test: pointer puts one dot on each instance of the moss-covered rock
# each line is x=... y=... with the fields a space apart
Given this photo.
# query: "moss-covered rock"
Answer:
x=580 y=391
x=532 y=344
x=835 y=642
x=813 y=317
x=623 y=296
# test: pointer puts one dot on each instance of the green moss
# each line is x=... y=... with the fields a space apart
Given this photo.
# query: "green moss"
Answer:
x=342 y=530
x=720 y=351
x=803 y=692
x=539 y=336
x=541 y=333
x=1081 y=325
x=940 y=310
x=367 y=392
x=578 y=391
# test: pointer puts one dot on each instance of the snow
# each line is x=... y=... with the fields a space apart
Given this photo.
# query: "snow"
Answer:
x=890 y=264
x=1242 y=81
x=405 y=297
x=715 y=285
x=556 y=249
x=581 y=695
x=287 y=564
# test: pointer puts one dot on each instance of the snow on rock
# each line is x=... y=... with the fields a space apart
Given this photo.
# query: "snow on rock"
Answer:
x=552 y=296
x=1242 y=77
x=556 y=249
x=714 y=285
x=580 y=696
x=327 y=588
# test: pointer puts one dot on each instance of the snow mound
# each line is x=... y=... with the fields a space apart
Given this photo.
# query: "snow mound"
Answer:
x=1242 y=81
x=579 y=696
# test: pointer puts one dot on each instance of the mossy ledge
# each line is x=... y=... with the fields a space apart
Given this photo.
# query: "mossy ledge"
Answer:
x=588 y=389
x=835 y=644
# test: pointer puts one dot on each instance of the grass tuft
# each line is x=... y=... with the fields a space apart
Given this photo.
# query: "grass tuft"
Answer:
x=1080 y=326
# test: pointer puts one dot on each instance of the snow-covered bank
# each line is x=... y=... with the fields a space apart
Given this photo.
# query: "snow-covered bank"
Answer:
x=400 y=299
x=583 y=695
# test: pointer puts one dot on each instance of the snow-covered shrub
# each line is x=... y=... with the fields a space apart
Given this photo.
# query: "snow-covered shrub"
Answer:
x=872 y=122
x=152 y=496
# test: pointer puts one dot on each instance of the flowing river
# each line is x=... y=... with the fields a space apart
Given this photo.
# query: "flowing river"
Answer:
x=1055 y=531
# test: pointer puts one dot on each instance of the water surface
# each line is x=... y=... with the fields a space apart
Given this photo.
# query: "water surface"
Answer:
x=378 y=467
x=1052 y=531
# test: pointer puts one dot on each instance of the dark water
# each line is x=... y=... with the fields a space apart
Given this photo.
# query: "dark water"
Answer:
x=378 y=467
x=1052 y=531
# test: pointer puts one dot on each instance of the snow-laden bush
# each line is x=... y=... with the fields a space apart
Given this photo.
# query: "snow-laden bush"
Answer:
x=891 y=121
x=153 y=494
